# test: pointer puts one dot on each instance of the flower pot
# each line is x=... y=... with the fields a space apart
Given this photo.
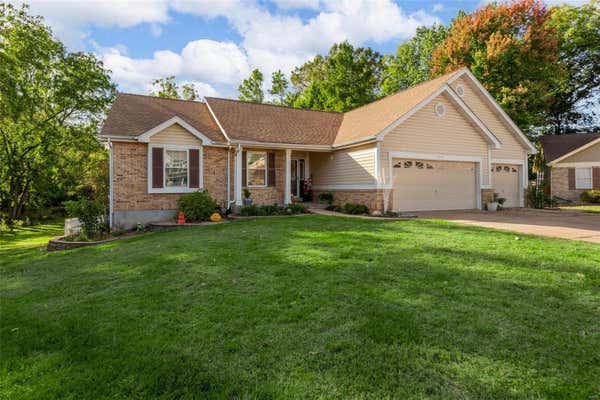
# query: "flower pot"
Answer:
x=247 y=202
x=493 y=206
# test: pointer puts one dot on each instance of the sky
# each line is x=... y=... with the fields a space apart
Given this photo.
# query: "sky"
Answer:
x=215 y=44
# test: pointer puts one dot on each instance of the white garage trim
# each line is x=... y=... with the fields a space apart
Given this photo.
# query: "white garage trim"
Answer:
x=439 y=157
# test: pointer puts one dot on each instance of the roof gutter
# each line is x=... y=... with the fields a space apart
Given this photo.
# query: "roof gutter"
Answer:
x=250 y=143
x=355 y=142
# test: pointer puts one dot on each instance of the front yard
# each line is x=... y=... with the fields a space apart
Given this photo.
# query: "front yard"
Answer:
x=586 y=208
x=304 y=307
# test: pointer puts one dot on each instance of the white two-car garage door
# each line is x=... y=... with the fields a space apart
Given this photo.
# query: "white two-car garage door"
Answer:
x=506 y=182
x=422 y=185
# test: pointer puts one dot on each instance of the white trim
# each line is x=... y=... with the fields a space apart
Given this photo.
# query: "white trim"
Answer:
x=216 y=120
x=490 y=183
x=346 y=187
x=442 y=157
x=263 y=145
x=496 y=106
x=378 y=172
x=577 y=164
x=237 y=186
x=355 y=142
x=165 y=189
x=577 y=150
x=145 y=137
x=111 y=173
x=266 y=168
x=507 y=161
x=287 y=194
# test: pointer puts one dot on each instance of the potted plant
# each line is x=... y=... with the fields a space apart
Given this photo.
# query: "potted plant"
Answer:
x=247 y=199
x=496 y=203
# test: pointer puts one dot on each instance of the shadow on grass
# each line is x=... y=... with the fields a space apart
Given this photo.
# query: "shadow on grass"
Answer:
x=305 y=307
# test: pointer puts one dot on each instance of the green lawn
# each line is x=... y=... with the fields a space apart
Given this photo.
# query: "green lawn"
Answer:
x=586 y=208
x=304 y=307
x=31 y=236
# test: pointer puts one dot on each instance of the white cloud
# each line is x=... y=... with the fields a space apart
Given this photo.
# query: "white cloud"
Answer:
x=296 y=4
x=437 y=7
x=221 y=62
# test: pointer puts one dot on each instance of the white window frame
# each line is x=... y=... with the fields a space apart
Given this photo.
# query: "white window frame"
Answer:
x=180 y=189
x=590 y=171
x=266 y=154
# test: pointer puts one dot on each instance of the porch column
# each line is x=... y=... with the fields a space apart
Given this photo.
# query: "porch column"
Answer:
x=237 y=186
x=287 y=194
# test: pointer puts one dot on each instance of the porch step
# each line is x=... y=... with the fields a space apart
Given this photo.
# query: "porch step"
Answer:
x=318 y=206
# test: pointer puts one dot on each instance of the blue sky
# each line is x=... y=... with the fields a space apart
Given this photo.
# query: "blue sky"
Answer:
x=216 y=43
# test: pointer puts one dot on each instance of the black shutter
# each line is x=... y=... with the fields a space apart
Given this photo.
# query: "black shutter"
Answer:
x=194 y=168
x=157 y=167
x=271 y=169
x=244 y=183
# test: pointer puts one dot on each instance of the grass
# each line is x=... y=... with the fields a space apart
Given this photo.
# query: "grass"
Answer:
x=304 y=307
x=30 y=236
x=587 y=208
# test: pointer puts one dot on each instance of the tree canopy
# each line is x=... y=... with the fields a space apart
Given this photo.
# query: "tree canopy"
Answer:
x=251 y=88
x=168 y=88
x=51 y=102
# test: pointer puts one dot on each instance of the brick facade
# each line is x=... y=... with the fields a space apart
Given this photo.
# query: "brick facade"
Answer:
x=130 y=184
x=374 y=199
x=487 y=196
x=559 y=182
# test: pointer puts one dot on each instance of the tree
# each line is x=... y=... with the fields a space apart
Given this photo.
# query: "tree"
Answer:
x=412 y=63
x=279 y=86
x=251 y=88
x=346 y=78
x=512 y=51
x=165 y=88
x=577 y=86
x=51 y=101
x=168 y=88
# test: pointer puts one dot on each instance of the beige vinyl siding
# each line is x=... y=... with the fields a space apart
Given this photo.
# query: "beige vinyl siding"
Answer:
x=425 y=132
x=590 y=154
x=355 y=166
x=177 y=135
x=511 y=146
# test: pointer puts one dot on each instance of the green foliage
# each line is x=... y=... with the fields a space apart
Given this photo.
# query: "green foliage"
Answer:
x=354 y=208
x=346 y=78
x=590 y=196
x=90 y=213
x=326 y=197
x=576 y=88
x=251 y=88
x=274 y=209
x=539 y=199
x=51 y=102
x=168 y=88
x=412 y=63
x=247 y=193
x=279 y=87
x=196 y=206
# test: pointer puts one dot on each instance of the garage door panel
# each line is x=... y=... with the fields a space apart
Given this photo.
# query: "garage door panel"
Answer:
x=506 y=182
x=434 y=185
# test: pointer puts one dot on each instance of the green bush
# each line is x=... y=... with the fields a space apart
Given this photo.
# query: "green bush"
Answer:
x=197 y=206
x=274 y=209
x=353 y=208
x=89 y=213
x=539 y=199
x=590 y=196
x=331 y=207
x=326 y=198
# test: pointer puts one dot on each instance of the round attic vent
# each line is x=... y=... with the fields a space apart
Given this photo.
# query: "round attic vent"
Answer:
x=440 y=110
x=460 y=89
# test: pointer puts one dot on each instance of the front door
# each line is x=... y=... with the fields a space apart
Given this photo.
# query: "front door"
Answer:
x=298 y=177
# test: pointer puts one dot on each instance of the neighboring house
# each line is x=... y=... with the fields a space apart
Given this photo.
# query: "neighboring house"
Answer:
x=443 y=144
x=573 y=163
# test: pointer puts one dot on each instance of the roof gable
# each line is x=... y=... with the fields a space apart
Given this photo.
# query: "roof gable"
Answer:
x=559 y=147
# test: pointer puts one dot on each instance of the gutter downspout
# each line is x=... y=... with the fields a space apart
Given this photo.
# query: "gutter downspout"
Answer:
x=228 y=189
x=110 y=184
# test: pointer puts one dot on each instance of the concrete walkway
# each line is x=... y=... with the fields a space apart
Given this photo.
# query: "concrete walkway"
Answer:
x=573 y=225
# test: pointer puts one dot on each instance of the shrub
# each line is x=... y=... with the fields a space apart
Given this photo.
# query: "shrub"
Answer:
x=197 y=206
x=539 y=199
x=274 y=209
x=331 y=207
x=590 y=196
x=89 y=213
x=353 y=208
x=326 y=197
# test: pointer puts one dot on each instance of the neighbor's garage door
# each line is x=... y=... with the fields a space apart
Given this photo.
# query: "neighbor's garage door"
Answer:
x=505 y=181
x=421 y=185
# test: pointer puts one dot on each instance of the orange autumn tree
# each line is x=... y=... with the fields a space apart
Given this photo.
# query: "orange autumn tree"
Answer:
x=511 y=49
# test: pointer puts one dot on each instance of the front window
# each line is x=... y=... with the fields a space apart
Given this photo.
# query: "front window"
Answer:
x=583 y=178
x=256 y=169
x=176 y=168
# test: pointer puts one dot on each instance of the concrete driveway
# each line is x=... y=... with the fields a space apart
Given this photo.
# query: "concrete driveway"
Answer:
x=564 y=224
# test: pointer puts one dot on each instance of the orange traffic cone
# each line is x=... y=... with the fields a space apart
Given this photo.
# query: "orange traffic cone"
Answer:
x=181 y=218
